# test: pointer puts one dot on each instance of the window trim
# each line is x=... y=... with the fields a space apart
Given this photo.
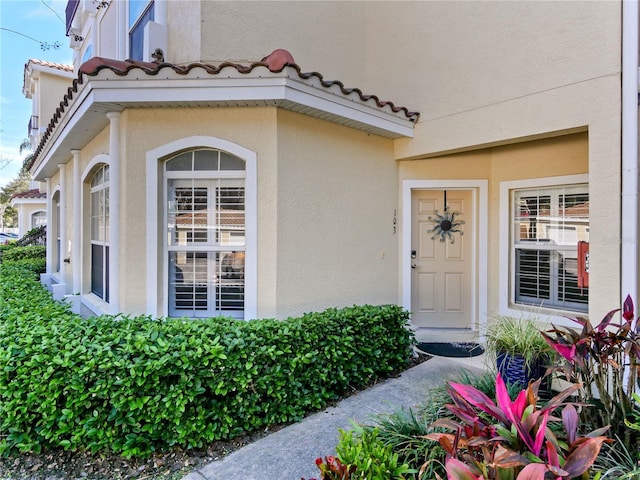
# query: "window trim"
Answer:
x=135 y=25
x=212 y=177
x=32 y=217
x=506 y=293
x=87 y=298
x=157 y=299
x=105 y=244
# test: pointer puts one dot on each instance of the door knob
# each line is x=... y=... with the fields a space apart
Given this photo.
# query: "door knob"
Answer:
x=413 y=265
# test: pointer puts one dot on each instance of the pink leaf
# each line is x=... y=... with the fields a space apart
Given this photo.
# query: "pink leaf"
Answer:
x=533 y=471
x=552 y=455
x=537 y=445
x=570 y=422
x=457 y=470
x=477 y=399
x=627 y=311
x=504 y=402
x=581 y=459
x=604 y=323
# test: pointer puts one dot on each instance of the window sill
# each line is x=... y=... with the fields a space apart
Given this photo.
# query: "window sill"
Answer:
x=95 y=304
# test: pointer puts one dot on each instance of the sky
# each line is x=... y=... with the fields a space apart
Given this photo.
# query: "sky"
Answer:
x=44 y=22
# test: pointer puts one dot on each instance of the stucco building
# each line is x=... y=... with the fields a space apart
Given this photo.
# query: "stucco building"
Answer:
x=263 y=159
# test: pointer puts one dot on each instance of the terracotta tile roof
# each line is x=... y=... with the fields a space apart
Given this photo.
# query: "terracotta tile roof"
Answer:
x=45 y=63
x=34 y=193
x=275 y=62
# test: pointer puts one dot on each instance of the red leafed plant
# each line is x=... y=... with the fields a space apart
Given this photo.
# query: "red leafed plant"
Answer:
x=333 y=469
x=507 y=440
x=605 y=360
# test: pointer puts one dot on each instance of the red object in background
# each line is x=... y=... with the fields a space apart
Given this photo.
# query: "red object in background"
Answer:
x=583 y=264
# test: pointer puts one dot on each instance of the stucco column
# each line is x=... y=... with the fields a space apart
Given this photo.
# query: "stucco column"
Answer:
x=122 y=29
x=22 y=222
x=114 y=211
x=76 y=236
x=50 y=232
x=64 y=248
x=160 y=13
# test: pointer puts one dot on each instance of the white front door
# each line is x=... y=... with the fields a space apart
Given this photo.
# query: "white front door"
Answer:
x=442 y=259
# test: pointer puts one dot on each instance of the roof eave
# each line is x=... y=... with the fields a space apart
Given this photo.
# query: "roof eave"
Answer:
x=110 y=92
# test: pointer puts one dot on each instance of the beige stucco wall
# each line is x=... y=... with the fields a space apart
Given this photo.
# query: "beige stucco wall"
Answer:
x=487 y=77
x=316 y=182
x=328 y=37
x=557 y=156
x=51 y=90
x=25 y=211
x=335 y=210
x=146 y=129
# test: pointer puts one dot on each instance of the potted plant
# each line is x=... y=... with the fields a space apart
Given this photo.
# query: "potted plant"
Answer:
x=519 y=349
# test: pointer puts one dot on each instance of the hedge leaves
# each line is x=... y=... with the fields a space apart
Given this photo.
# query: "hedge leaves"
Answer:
x=132 y=385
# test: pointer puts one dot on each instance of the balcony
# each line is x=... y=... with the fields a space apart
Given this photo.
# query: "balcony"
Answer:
x=34 y=131
x=70 y=11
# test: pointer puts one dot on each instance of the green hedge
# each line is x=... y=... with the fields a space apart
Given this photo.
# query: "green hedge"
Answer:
x=32 y=252
x=135 y=385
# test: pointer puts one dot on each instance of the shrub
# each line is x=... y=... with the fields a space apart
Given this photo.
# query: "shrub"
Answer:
x=605 y=360
x=372 y=459
x=513 y=439
x=135 y=385
x=32 y=252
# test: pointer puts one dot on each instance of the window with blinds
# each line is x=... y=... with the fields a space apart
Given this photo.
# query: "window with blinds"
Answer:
x=547 y=225
x=205 y=218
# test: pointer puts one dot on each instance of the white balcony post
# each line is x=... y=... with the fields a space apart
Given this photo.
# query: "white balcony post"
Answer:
x=76 y=236
x=114 y=211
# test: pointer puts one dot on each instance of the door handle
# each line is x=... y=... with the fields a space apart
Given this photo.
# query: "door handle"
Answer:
x=414 y=266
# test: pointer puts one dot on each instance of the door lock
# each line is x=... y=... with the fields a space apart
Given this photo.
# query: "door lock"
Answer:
x=413 y=254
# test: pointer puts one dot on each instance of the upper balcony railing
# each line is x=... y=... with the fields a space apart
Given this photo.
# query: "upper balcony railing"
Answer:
x=72 y=6
x=34 y=130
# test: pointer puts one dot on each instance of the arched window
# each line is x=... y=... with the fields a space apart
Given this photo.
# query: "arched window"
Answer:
x=99 y=200
x=55 y=230
x=205 y=225
x=38 y=219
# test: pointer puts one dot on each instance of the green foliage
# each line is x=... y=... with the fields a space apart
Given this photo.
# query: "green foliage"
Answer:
x=32 y=252
x=616 y=462
x=603 y=358
x=513 y=439
x=132 y=385
x=7 y=246
x=516 y=336
x=332 y=468
x=404 y=431
x=373 y=460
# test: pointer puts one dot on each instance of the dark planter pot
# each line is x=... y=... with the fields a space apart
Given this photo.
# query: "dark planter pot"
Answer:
x=513 y=370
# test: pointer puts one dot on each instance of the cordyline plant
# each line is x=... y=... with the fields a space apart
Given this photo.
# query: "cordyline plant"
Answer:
x=333 y=469
x=605 y=357
x=508 y=440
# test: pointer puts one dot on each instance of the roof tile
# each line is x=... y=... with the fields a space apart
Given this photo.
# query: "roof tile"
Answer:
x=275 y=62
x=33 y=193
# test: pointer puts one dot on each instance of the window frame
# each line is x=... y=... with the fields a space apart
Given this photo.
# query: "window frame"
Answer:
x=556 y=250
x=507 y=303
x=213 y=247
x=136 y=26
x=103 y=244
x=38 y=218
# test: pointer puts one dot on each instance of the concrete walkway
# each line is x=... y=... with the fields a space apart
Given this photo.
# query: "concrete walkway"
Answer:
x=289 y=454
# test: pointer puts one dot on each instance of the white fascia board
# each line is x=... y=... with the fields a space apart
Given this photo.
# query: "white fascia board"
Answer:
x=353 y=110
x=29 y=201
x=265 y=88
x=276 y=89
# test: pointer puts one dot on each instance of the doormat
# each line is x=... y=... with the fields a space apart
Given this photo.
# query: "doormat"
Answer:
x=451 y=349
